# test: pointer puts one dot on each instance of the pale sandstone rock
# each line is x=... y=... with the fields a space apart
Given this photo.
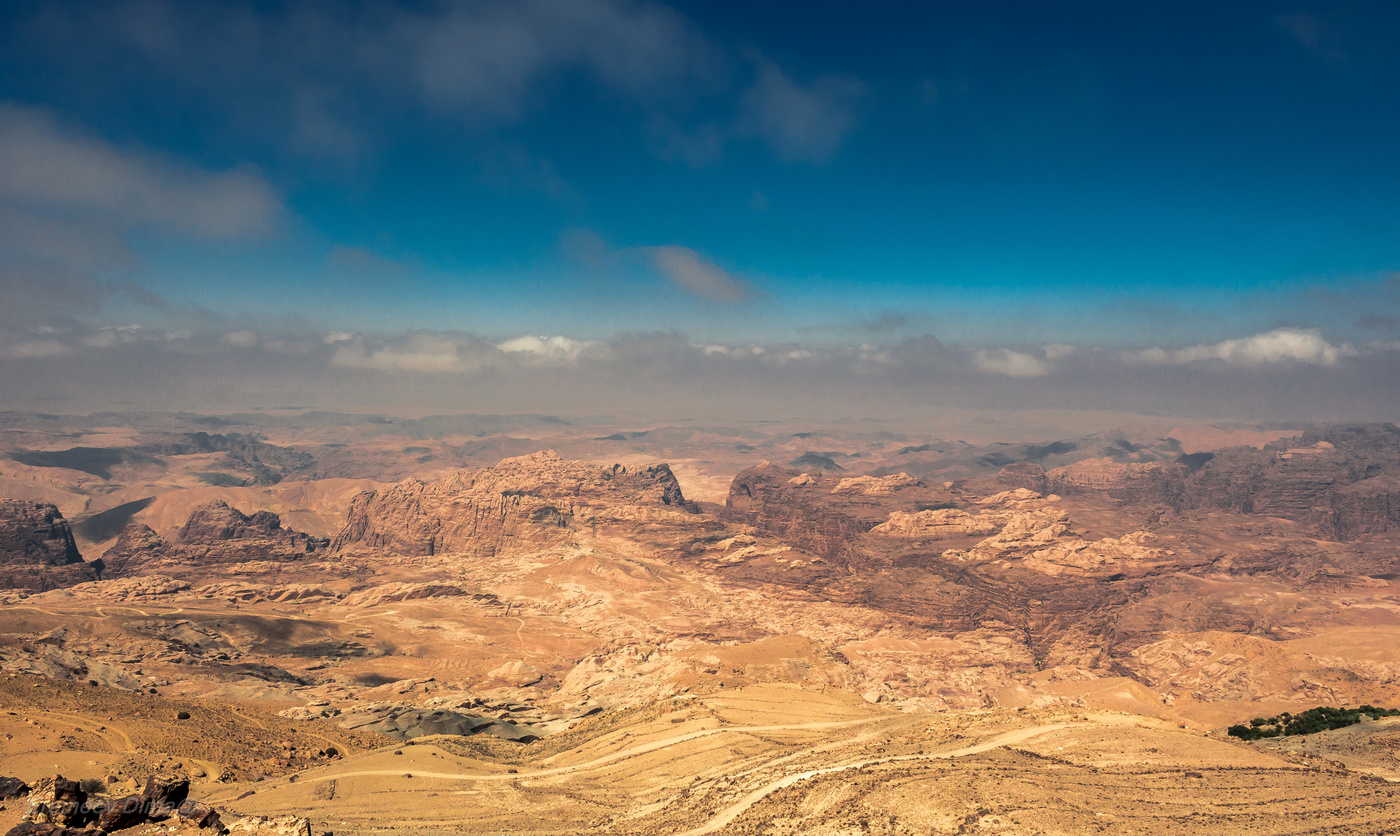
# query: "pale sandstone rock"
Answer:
x=517 y=674
x=875 y=485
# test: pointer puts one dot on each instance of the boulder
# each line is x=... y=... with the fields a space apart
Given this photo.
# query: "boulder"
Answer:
x=57 y=800
x=12 y=788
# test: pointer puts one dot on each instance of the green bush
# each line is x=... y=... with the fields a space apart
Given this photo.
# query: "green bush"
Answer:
x=1322 y=718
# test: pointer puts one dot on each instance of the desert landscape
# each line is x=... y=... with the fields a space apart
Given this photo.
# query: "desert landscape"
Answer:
x=332 y=625
x=699 y=418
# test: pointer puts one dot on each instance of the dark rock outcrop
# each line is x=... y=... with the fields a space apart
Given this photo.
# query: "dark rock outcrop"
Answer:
x=165 y=793
x=408 y=723
x=12 y=788
x=59 y=801
x=35 y=829
x=37 y=551
x=58 y=806
x=35 y=534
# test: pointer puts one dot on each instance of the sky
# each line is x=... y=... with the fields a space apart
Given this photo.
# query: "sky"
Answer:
x=1163 y=207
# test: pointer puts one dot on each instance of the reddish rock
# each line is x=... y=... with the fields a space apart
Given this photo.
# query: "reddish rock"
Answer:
x=215 y=534
x=121 y=813
x=34 y=829
x=57 y=800
x=528 y=501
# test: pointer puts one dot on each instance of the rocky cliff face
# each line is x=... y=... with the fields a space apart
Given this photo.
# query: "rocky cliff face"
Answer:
x=1341 y=481
x=529 y=501
x=36 y=534
x=37 y=551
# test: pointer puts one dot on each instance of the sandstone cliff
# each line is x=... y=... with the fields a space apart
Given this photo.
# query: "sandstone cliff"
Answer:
x=37 y=551
x=530 y=501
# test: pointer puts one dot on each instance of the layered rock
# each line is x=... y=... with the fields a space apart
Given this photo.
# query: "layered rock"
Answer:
x=526 y=502
x=1028 y=475
x=35 y=534
x=37 y=551
x=1131 y=483
x=1342 y=481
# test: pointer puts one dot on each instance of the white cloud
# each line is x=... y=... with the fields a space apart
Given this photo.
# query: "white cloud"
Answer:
x=1004 y=361
x=50 y=169
x=700 y=276
x=1298 y=345
x=113 y=335
x=421 y=352
x=547 y=348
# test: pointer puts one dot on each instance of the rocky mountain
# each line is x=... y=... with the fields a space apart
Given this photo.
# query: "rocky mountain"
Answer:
x=36 y=534
x=215 y=534
x=526 y=502
x=37 y=551
x=259 y=463
x=1343 y=483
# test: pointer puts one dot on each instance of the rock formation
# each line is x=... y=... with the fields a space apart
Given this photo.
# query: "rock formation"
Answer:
x=35 y=534
x=819 y=513
x=215 y=534
x=37 y=551
x=526 y=502
x=1342 y=482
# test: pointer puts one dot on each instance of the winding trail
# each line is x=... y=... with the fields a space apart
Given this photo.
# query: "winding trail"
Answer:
x=615 y=756
x=733 y=811
x=738 y=808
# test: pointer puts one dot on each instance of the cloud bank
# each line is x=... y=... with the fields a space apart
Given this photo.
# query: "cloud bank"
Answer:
x=1283 y=374
x=1281 y=345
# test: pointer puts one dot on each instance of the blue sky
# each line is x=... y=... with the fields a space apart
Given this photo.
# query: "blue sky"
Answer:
x=1000 y=177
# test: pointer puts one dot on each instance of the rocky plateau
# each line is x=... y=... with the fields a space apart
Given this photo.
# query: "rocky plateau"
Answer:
x=525 y=600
